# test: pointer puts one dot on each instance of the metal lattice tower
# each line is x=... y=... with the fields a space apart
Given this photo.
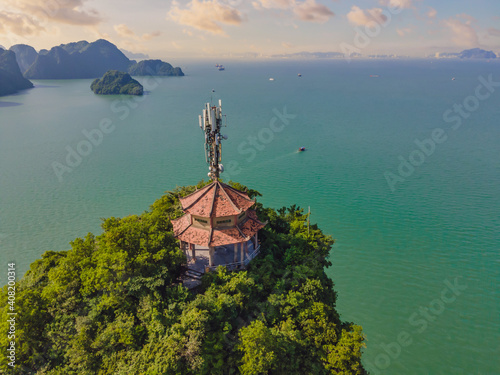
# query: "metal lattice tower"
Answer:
x=211 y=123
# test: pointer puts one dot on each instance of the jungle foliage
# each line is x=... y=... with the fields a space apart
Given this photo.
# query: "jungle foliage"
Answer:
x=112 y=304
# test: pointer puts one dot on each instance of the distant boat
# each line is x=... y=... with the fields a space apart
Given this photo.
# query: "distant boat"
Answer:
x=271 y=79
x=221 y=67
x=302 y=149
x=453 y=79
x=300 y=75
x=374 y=76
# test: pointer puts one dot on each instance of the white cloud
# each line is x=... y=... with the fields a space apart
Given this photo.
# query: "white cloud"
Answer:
x=308 y=10
x=361 y=17
x=463 y=34
x=274 y=4
x=19 y=24
x=432 y=13
x=404 y=31
x=493 y=32
x=206 y=15
x=399 y=4
x=71 y=12
x=125 y=32
x=313 y=12
x=150 y=36
x=29 y=17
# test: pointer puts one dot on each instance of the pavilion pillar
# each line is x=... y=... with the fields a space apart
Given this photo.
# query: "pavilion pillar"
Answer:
x=235 y=252
x=242 y=253
x=256 y=240
x=246 y=249
x=211 y=251
x=193 y=251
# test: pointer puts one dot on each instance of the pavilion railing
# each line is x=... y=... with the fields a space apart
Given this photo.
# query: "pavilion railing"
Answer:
x=236 y=265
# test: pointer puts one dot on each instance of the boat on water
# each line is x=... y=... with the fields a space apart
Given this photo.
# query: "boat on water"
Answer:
x=302 y=149
x=300 y=75
x=221 y=67
x=271 y=79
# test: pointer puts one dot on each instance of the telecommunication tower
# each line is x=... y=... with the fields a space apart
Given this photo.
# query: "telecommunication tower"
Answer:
x=211 y=123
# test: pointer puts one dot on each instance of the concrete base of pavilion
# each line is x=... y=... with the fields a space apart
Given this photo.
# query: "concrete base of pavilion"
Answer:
x=223 y=256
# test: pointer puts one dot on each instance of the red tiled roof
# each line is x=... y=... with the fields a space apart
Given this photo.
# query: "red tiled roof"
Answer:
x=184 y=231
x=181 y=224
x=251 y=225
x=216 y=200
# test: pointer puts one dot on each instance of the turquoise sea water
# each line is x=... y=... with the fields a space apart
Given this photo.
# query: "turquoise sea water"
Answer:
x=397 y=252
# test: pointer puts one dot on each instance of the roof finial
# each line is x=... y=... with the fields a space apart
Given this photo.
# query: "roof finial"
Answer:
x=211 y=123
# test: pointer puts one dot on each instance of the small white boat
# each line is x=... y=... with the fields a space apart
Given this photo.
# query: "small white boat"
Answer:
x=271 y=79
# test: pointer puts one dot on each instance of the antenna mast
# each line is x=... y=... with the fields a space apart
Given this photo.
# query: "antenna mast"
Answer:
x=211 y=123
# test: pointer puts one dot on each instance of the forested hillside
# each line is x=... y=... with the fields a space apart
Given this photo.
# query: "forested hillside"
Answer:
x=112 y=304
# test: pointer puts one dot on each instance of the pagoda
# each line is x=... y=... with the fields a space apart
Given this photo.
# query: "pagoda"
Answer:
x=218 y=218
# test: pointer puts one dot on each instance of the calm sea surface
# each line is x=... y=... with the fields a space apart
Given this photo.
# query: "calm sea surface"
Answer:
x=416 y=259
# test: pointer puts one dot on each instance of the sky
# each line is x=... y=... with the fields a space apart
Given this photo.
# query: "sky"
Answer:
x=248 y=29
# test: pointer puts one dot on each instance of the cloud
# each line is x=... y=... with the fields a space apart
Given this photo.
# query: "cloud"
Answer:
x=29 y=17
x=287 y=45
x=360 y=17
x=135 y=56
x=125 y=32
x=19 y=24
x=150 y=36
x=206 y=15
x=308 y=10
x=493 y=32
x=273 y=4
x=134 y=47
x=313 y=12
x=399 y=4
x=404 y=31
x=63 y=11
x=463 y=34
x=432 y=13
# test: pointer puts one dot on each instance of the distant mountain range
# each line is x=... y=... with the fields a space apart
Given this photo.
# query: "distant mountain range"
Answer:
x=474 y=53
x=11 y=79
x=84 y=60
x=310 y=55
x=477 y=53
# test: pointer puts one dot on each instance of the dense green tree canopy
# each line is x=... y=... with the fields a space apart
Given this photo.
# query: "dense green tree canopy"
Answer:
x=113 y=304
x=114 y=82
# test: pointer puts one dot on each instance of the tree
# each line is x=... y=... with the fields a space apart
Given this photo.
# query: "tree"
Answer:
x=113 y=304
